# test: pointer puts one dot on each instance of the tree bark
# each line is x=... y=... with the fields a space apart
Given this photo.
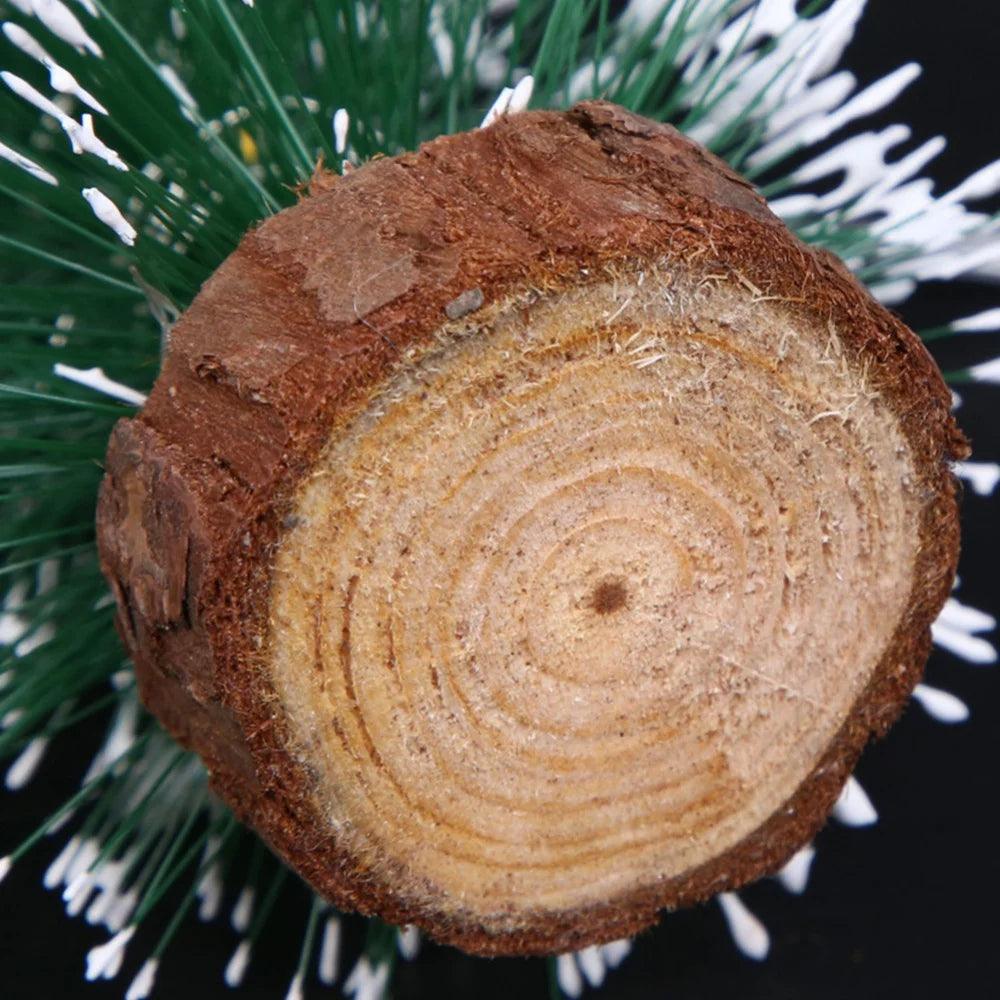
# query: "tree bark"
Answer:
x=529 y=532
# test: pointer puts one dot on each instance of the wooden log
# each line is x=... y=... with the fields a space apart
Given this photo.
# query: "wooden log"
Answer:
x=529 y=532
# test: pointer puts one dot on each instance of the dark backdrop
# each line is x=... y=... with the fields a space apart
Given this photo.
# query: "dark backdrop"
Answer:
x=907 y=908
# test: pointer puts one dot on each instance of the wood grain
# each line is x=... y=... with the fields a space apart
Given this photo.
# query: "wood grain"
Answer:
x=529 y=532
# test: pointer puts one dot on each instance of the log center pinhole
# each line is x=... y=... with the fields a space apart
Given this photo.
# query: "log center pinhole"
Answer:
x=609 y=596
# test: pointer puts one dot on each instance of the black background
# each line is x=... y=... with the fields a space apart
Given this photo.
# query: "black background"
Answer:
x=910 y=907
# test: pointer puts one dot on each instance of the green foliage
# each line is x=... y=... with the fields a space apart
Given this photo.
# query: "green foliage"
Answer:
x=204 y=167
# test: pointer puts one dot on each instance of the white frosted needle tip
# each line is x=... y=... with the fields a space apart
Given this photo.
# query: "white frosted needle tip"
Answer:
x=497 y=108
x=83 y=139
x=960 y=616
x=169 y=76
x=749 y=934
x=366 y=983
x=521 y=95
x=94 y=378
x=941 y=705
x=982 y=322
x=360 y=975
x=295 y=988
x=409 y=942
x=23 y=40
x=55 y=872
x=24 y=90
x=105 y=961
x=63 y=23
x=243 y=910
x=341 y=121
x=568 y=976
x=984 y=183
x=854 y=808
x=26 y=764
x=11 y=718
x=77 y=884
x=121 y=910
x=109 y=213
x=27 y=165
x=983 y=476
x=210 y=893
x=591 y=963
x=329 y=951
x=61 y=79
x=988 y=371
x=615 y=952
x=64 y=81
x=958 y=641
x=795 y=875
x=82 y=859
x=142 y=985
x=376 y=988
x=237 y=965
x=12 y=627
x=5 y=867
x=510 y=101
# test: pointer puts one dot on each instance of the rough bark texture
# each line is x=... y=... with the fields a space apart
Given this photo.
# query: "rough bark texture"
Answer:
x=305 y=321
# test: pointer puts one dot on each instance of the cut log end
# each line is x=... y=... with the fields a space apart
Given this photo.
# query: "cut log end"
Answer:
x=519 y=590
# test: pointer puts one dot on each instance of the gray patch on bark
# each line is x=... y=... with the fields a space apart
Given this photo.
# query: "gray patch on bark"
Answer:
x=469 y=301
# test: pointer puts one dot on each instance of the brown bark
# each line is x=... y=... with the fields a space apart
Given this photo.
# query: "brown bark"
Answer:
x=297 y=337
